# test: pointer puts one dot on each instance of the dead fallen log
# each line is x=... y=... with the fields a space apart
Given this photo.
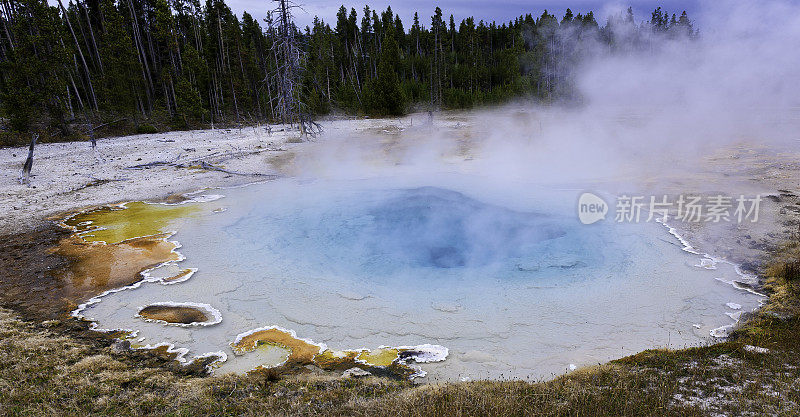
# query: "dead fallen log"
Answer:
x=207 y=163
x=174 y=162
x=151 y=164
x=202 y=165
x=211 y=158
x=209 y=167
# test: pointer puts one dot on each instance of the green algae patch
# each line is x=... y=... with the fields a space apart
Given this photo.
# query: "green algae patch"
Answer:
x=270 y=355
x=330 y=360
x=382 y=361
x=114 y=224
x=302 y=352
x=111 y=246
x=379 y=357
x=394 y=362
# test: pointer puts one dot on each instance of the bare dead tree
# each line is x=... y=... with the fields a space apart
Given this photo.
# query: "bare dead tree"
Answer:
x=289 y=58
x=93 y=128
x=26 y=169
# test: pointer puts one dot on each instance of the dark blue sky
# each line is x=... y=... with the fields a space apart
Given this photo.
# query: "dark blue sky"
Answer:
x=482 y=9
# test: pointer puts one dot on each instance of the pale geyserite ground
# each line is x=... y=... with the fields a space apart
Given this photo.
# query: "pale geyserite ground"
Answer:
x=71 y=175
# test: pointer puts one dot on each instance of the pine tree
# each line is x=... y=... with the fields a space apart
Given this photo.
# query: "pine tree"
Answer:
x=179 y=64
x=119 y=84
x=34 y=71
x=189 y=105
x=384 y=95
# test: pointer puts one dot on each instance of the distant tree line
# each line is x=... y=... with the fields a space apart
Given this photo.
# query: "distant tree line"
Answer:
x=184 y=64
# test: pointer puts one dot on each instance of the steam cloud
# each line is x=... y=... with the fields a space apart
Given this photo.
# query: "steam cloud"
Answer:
x=641 y=111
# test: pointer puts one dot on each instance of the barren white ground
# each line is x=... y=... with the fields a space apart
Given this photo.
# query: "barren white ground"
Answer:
x=65 y=174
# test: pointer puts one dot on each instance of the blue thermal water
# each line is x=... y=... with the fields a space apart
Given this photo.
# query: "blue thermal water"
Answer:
x=511 y=282
x=434 y=231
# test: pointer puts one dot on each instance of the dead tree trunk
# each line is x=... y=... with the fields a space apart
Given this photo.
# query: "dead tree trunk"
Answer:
x=289 y=67
x=26 y=169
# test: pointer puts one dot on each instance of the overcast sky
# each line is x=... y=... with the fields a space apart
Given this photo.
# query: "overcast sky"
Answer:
x=487 y=10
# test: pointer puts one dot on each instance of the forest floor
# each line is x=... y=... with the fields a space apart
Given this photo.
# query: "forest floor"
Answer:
x=51 y=364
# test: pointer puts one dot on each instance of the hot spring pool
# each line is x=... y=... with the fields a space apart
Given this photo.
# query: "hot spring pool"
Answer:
x=510 y=282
